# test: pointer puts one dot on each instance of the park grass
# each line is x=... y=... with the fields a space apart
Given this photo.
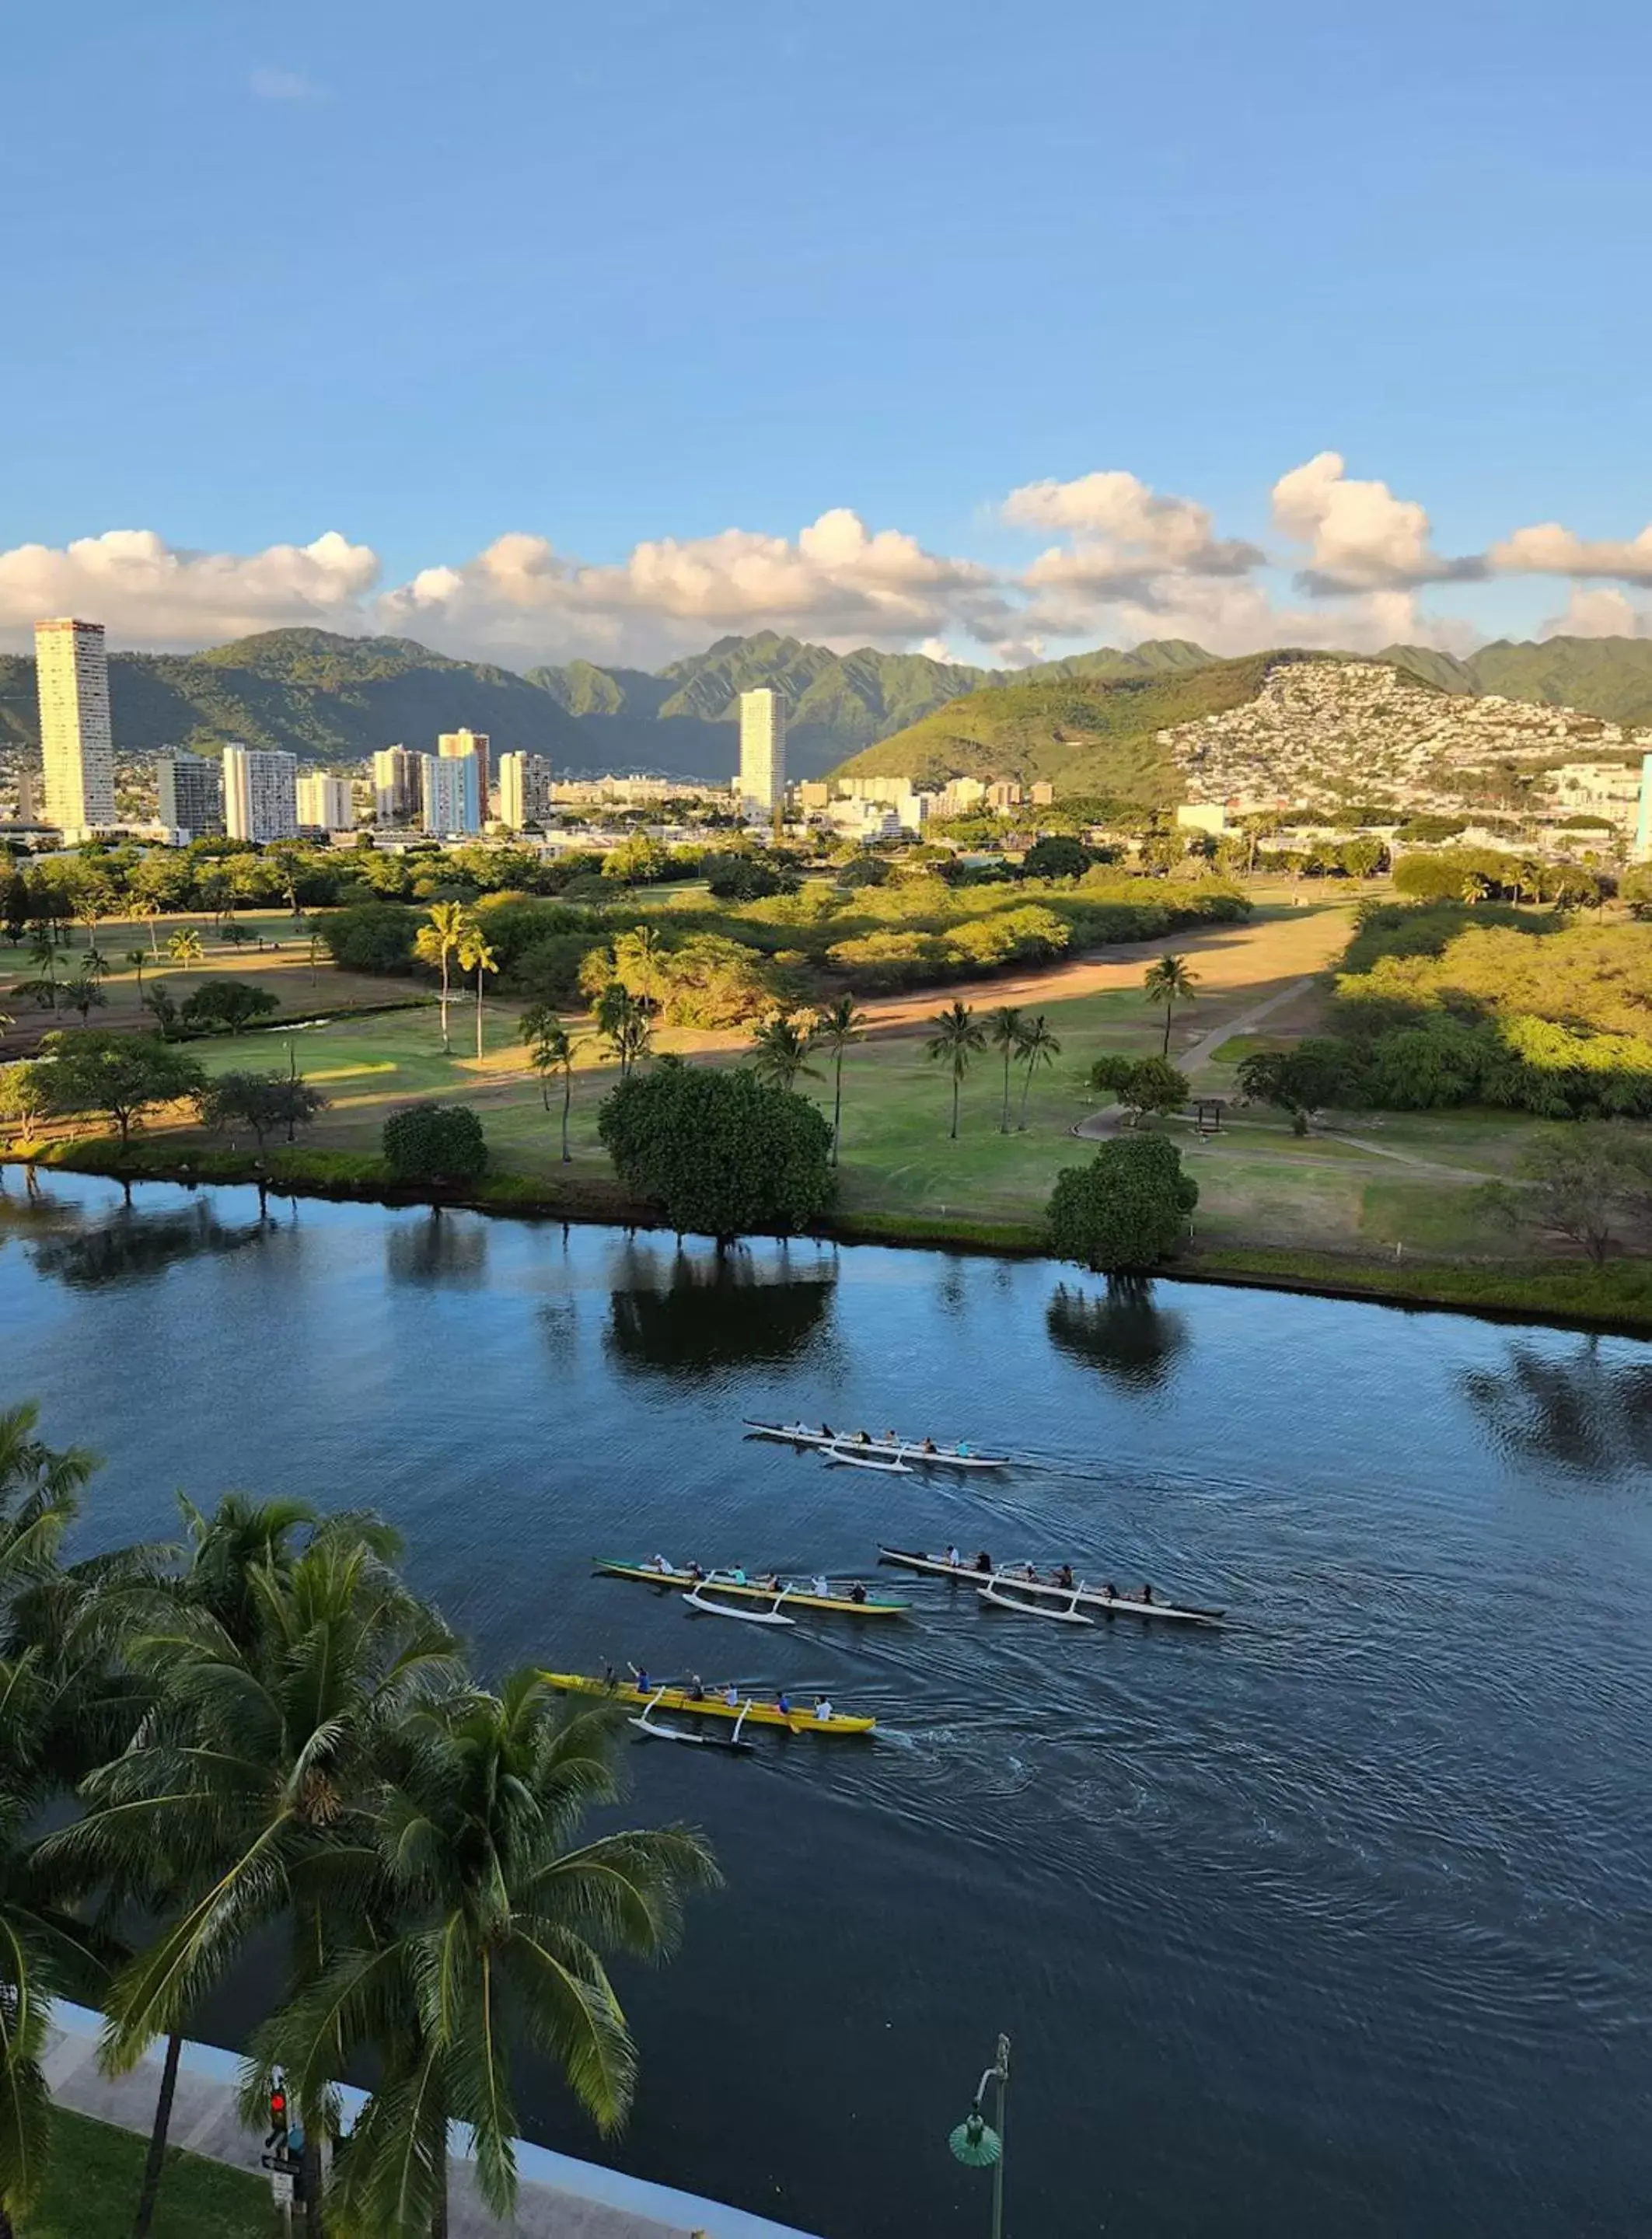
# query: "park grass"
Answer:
x=92 y=2185
x=1618 y=1294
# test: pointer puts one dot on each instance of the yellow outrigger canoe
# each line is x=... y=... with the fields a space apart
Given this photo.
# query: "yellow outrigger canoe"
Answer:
x=786 y=1595
x=751 y=1712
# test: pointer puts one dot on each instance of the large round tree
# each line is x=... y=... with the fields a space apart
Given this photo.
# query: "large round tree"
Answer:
x=1126 y=1209
x=720 y=1152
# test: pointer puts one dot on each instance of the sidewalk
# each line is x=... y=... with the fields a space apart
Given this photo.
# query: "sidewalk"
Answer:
x=560 y=2198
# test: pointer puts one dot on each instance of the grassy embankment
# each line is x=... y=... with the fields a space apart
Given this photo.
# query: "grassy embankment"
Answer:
x=1389 y=1205
x=92 y=2187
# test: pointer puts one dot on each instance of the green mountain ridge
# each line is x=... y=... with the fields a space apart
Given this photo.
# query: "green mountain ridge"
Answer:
x=333 y=699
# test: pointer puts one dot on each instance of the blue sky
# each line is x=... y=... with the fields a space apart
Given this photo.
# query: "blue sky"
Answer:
x=606 y=275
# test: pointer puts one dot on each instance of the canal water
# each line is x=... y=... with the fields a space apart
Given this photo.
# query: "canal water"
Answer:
x=1340 y=1921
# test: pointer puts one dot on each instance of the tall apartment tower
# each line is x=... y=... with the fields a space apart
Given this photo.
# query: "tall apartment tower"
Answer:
x=397 y=794
x=448 y=793
x=259 y=795
x=524 y=789
x=77 y=744
x=762 y=752
x=324 y=803
x=454 y=746
x=191 y=793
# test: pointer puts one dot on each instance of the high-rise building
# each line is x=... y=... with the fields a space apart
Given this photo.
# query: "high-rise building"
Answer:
x=259 y=795
x=762 y=751
x=28 y=795
x=324 y=803
x=448 y=793
x=76 y=743
x=454 y=746
x=397 y=794
x=1643 y=814
x=191 y=791
x=524 y=790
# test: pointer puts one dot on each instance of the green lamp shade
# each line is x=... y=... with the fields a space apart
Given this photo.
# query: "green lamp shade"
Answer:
x=976 y=2144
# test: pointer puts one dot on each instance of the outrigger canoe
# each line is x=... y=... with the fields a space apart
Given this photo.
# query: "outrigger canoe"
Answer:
x=998 y=1586
x=908 y=1452
x=790 y=1595
x=750 y=1710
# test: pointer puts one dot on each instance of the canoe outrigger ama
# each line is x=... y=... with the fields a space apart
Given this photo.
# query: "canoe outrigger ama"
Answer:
x=848 y=1597
x=889 y=1451
x=1021 y=1589
x=746 y=1709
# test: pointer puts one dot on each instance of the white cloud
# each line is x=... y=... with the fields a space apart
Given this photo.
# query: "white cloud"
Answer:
x=1548 y=549
x=1122 y=533
x=1360 y=536
x=1600 y=614
x=268 y=83
x=148 y=593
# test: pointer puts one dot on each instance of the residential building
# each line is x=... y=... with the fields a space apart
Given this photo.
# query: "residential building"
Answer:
x=259 y=794
x=1210 y=816
x=1643 y=814
x=77 y=740
x=448 y=794
x=325 y=804
x=397 y=796
x=454 y=746
x=762 y=752
x=191 y=793
x=1609 y=790
x=29 y=790
x=524 y=790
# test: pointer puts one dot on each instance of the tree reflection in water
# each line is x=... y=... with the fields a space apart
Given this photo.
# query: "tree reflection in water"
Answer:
x=442 y=1248
x=128 y=1246
x=1590 y=1411
x=1122 y=1331
x=682 y=1314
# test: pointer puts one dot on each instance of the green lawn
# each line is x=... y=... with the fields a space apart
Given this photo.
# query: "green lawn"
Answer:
x=92 y=2185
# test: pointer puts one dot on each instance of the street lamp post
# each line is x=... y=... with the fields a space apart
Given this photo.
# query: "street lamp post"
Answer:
x=976 y=2144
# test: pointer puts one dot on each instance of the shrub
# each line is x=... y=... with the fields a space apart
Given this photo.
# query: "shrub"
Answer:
x=718 y=1153
x=225 y=1006
x=434 y=1143
x=1124 y=1211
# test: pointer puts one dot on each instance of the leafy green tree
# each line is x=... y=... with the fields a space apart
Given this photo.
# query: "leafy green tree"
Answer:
x=780 y=1052
x=17 y=904
x=121 y=1075
x=227 y=1007
x=1169 y=982
x=476 y=955
x=958 y=1036
x=1126 y=1211
x=1056 y=856
x=483 y=1890
x=1585 y=1184
x=1038 y=1046
x=158 y=1000
x=839 y=1030
x=550 y=1049
x=186 y=945
x=263 y=1101
x=742 y=878
x=1319 y=1071
x=1007 y=1027
x=434 y=1143
x=438 y=942
x=718 y=1153
x=1142 y=1085
x=371 y=936
x=25 y=1095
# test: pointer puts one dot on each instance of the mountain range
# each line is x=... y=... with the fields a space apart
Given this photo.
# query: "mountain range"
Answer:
x=334 y=699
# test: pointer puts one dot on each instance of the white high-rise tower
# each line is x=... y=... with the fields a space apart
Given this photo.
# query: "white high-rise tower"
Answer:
x=762 y=752
x=76 y=743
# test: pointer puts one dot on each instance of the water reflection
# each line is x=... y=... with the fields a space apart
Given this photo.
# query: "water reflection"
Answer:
x=1590 y=1411
x=441 y=1247
x=682 y=1314
x=128 y=1246
x=1122 y=1331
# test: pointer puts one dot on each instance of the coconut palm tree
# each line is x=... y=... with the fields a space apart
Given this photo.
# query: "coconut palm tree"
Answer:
x=1171 y=980
x=639 y=961
x=958 y=1034
x=488 y=1924
x=1007 y=1025
x=625 y=1026
x=438 y=943
x=1038 y=1046
x=186 y=945
x=781 y=1051
x=841 y=1025
x=135 y=959
x=474 y=955
x=143 y=910
x=551 y=1049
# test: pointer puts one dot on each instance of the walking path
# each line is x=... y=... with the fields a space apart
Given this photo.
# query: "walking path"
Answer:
x=560 y=2198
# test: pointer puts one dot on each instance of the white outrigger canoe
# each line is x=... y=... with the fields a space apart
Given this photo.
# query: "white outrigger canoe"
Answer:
x=888 y=1453
x=1036 y=1596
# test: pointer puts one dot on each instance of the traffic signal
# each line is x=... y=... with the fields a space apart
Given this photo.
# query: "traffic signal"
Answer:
x=277 y=2114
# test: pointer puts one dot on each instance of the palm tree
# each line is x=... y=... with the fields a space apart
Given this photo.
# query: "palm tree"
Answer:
x=780 y=1049
x=137 y=959
x=841 y=1025
x=550 y=1049
x=474 y=955
x=639 y=961
x=957 y=1036
x=625 y=1025
x=1008 y=1025
x=1038 y=1046
x=83 y=992
x=1169 y=982
x=186 y=945
x=43 y=955
x=438 y=943
x=492 y=1924
x=144 y=911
